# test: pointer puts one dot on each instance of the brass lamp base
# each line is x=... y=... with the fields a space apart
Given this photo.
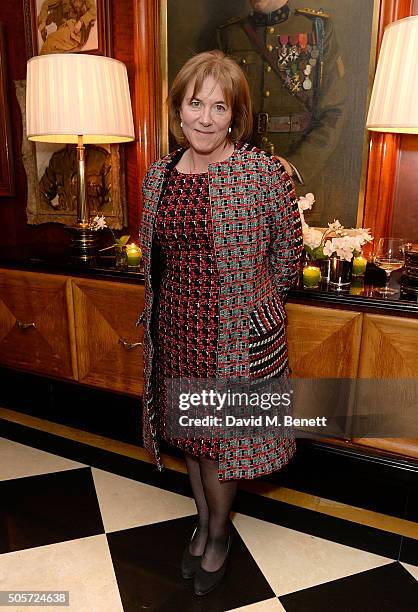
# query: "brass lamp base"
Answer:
x=83 y=246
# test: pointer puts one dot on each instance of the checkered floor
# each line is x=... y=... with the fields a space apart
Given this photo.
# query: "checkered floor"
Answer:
x=115 y=544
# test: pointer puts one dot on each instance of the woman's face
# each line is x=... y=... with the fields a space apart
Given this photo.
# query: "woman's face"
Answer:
x=206 y=118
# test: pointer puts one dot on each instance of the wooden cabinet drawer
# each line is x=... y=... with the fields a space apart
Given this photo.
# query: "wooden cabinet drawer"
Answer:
x=105 y=317
x=323 y=342
x=389 y=347
x=36 y=323
x=389 y=351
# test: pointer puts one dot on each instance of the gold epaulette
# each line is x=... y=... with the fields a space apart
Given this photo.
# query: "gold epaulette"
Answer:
x=310 y=12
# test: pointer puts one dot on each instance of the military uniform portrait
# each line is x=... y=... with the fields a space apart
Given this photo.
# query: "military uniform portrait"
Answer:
x=67 y=26
x=307 y=65
x=52 y=183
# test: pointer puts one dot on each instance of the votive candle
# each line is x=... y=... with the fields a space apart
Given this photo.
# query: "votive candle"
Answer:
x=311 y=277
x=133 y=253
x=359 y=266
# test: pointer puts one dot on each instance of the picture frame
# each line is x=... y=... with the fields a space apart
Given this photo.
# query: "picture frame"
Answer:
x=7 y=184
x=340 y=185
x=62 y=32
x=56 y=177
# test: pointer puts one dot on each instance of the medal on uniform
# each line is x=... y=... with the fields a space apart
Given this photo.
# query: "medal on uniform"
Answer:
x=303 y=40
x=294 y=60
x=282 y=59
x=283 y=52
x=314 y=55
x=296 y=83
x=307 y=83
x=293 y=53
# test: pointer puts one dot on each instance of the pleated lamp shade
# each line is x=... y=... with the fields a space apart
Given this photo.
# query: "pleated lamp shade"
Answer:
x=71 y=94
x=394 y=101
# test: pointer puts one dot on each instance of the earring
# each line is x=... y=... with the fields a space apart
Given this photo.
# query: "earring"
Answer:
x=229 y=130
x=181 y=124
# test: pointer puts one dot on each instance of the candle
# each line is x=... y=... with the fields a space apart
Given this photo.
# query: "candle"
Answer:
x=357 y=286
x=311 y=276
x=359 y=265
x=133 y=253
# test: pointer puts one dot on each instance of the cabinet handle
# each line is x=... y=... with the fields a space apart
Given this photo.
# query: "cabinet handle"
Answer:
x=22 y=325
x=129 y=345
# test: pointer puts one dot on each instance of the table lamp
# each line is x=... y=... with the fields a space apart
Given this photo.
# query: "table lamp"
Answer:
x=394 y=100
x=393 y=104
x=78 y=99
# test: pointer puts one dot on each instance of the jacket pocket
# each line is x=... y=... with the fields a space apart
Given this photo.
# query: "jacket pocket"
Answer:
x=267 y=317
x=267 y=342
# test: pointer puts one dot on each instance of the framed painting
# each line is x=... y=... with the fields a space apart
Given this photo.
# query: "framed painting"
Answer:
x=51 y=171
x=67 y=26
x=326 y=108
x=6 y=152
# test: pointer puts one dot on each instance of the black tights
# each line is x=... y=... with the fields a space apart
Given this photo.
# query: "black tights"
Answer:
x=213 y=502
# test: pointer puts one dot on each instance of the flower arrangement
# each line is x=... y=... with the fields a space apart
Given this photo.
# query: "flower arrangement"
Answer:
x=99 y=223
x=333 y=240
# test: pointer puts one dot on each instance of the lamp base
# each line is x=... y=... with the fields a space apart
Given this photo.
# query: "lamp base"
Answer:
x=83 y=245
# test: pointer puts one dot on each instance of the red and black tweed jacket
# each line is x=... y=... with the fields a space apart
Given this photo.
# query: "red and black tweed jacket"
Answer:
x=258 y=244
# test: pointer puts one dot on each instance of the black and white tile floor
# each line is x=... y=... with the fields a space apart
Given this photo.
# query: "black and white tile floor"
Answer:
x=115 y=544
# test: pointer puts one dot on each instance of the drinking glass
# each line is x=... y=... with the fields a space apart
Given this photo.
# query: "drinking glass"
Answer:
x=389 y=256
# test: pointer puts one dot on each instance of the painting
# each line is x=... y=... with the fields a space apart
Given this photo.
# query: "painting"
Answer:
x=6 y=152
x=67 y=26
x=310 y=90
x=70 y=26
x=51 y=171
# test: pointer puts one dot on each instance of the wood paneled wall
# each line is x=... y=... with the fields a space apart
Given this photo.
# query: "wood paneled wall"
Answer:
x=391 y=192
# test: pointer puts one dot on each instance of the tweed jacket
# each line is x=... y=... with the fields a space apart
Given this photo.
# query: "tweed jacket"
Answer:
x=258 y=243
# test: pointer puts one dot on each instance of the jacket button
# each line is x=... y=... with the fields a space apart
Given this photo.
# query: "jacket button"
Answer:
x=270 y=48
x=271 y=30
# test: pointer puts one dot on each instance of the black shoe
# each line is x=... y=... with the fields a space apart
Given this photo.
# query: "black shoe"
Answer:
x=205 y=581
x=189 y=562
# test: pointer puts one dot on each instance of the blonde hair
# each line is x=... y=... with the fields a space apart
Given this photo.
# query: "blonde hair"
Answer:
x=226 y=72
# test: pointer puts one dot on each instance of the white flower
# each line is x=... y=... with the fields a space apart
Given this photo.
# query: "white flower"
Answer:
x=364 y=235
x=335 y=226
x=312 y=237
x=306 y=202
x=345 y=241
x=329 y=248
x=98 y=223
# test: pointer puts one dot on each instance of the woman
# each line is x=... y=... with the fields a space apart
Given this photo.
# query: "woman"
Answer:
x=221 y=241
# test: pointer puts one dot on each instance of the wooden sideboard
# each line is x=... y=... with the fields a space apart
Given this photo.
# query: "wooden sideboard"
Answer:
x=74 y=328
x=340 y=343
x=82 y=329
